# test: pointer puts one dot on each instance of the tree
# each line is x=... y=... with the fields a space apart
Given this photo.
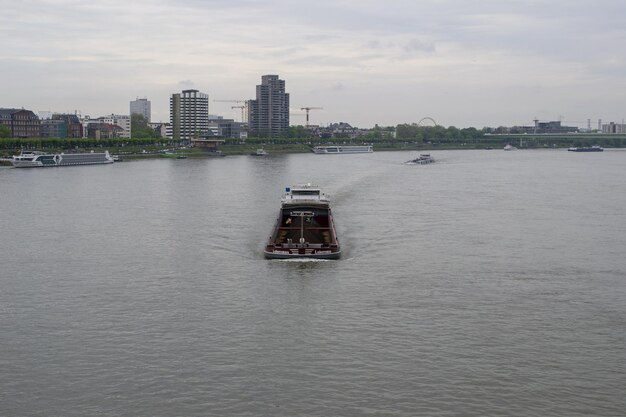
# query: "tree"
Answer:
x=139 y=128
x=5 y=131
x=298 y=132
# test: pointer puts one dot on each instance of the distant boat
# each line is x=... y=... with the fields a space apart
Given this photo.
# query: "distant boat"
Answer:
x=260 y=152
x=42 y=159
x=342 y=149
x=181 y=156
x=510 y=147
x=304 y=227
x=422 y=159
x=594 y=148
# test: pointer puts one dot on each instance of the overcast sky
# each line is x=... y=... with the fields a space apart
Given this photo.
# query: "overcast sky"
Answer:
x=462 y=62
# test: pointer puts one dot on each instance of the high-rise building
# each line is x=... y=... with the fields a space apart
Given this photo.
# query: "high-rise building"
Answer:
x=268 y=115
x=189 y=114
x=141 y=106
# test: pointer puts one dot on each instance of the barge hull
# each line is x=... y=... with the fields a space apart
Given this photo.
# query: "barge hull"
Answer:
x=284 y=255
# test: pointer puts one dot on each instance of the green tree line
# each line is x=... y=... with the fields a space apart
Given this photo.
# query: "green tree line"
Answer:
x=69 y=143
x=438 y=133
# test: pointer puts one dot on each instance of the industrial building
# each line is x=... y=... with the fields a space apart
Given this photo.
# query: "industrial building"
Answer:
x=614 y=128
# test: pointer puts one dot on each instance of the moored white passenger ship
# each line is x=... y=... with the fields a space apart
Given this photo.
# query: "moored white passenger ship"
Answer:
x=338 y=149
x=42 y=159
x=304 y=227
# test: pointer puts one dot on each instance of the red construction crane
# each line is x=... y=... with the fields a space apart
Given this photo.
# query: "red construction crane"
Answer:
x=307 y=112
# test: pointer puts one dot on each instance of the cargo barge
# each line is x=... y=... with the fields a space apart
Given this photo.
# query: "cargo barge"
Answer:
x=304 y=227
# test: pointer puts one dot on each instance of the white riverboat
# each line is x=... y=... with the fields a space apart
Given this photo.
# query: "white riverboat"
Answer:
x=338 y=149
x=42 y=159
x=304 y=227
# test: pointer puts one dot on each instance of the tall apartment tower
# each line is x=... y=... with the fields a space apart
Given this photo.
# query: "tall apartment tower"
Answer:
x=268 y=115
x=141 y=106
x=189 y=114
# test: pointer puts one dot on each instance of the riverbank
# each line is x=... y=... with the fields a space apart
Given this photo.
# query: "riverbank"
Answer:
x=152 y=152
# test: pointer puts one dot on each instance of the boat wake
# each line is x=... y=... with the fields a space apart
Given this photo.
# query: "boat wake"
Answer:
x=301 y=260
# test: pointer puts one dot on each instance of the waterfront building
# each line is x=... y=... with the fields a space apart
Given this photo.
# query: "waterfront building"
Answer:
x=268 y=115
x=163 y=129
x=73 y=125
x=122 y=121
x=101 y=130
x=539 y=128
x=53 y=128
x=613 y=127
x=141 y=106
x=226 y=128
x=189 y=114
x=23 y=123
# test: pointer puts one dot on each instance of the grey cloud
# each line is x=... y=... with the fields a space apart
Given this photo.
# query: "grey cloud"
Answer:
x=186 y=84
x=416 y=45
x=571 y=42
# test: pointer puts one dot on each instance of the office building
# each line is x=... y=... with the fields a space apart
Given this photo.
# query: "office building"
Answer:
x=189 y=115
x=268 y=115
x=141 y=106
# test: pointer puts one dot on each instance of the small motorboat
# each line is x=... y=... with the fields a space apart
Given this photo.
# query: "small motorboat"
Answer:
x=422 y=159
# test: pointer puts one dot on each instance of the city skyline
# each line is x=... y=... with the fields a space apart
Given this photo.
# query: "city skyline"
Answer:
x=462 y=63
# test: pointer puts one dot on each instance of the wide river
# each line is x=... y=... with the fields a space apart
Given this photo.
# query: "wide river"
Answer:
x=489 y=283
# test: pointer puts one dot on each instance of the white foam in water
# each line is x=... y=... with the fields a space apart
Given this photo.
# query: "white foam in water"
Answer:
x=303 y=260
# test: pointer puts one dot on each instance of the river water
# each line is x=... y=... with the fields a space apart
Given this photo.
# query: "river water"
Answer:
x=490 y=283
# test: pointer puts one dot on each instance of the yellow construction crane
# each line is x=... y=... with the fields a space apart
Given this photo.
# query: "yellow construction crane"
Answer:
x=307 y=112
